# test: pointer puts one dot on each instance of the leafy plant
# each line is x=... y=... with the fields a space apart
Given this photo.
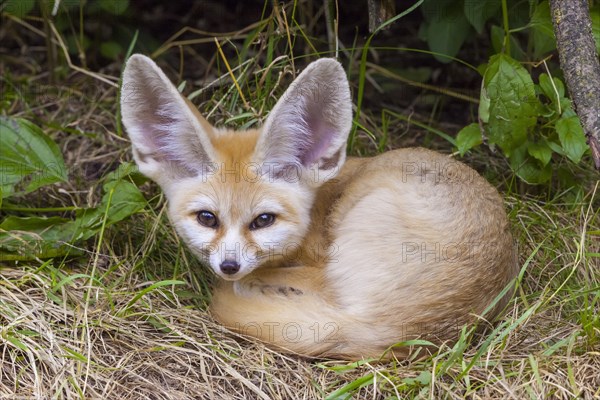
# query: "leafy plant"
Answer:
x=30 y=160
x=533 y=124
x=529 y=122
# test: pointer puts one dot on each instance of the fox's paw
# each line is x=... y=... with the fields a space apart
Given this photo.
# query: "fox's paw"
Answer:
x=255 y=287
x=285 y=291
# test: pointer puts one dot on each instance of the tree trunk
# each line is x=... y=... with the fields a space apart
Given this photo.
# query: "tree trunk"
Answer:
x=379 y=12
x=580 y=64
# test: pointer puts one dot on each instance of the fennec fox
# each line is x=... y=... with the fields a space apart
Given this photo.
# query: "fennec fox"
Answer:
x=318 y=254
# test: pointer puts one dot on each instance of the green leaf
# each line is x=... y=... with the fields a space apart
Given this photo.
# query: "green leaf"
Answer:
x=479 y=11
x=552 y=88
x=540 y=151
x=29 y=159
x=513 y=104
x=468 y=137
x=126 y=200
x=116 y=7
x=481 y=68
x=571 y=137
x=547 y=87
x=446 y=29
x=16 y=342
x=543 y=33
x=556 y=147
x=18 y=8
x=528 y=168
x=567 y=108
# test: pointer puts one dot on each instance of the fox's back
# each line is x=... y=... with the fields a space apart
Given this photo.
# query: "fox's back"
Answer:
x=421 y=239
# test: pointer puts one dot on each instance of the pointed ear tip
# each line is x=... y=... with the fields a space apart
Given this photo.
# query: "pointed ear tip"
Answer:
x=137 y=57
x=328 y=62
x=138 y=60
x=328 y=68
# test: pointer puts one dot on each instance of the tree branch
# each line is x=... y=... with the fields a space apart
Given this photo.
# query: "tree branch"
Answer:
x=579 y=62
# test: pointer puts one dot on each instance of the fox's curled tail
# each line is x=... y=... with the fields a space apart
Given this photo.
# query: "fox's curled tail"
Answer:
x=284 y=317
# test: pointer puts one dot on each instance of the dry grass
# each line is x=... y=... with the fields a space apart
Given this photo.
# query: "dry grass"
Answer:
x=127 y=320
x=72 y=337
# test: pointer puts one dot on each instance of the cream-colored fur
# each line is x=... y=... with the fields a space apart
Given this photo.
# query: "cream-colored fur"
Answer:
x=362 y=254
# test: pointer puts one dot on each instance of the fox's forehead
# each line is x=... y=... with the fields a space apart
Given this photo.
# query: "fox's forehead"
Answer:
x=234 y=148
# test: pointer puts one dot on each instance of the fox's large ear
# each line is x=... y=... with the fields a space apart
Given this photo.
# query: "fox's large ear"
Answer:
x=309 y=125
x=169 y=140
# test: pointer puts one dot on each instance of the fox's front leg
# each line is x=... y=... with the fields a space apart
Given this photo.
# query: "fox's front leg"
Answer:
x=290 y=281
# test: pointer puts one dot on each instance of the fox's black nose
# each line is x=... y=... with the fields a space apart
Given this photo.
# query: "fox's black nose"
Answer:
x=230 y=267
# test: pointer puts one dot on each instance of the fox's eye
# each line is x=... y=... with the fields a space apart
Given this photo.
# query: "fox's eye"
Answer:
x=262 y=221
x=208 y=219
